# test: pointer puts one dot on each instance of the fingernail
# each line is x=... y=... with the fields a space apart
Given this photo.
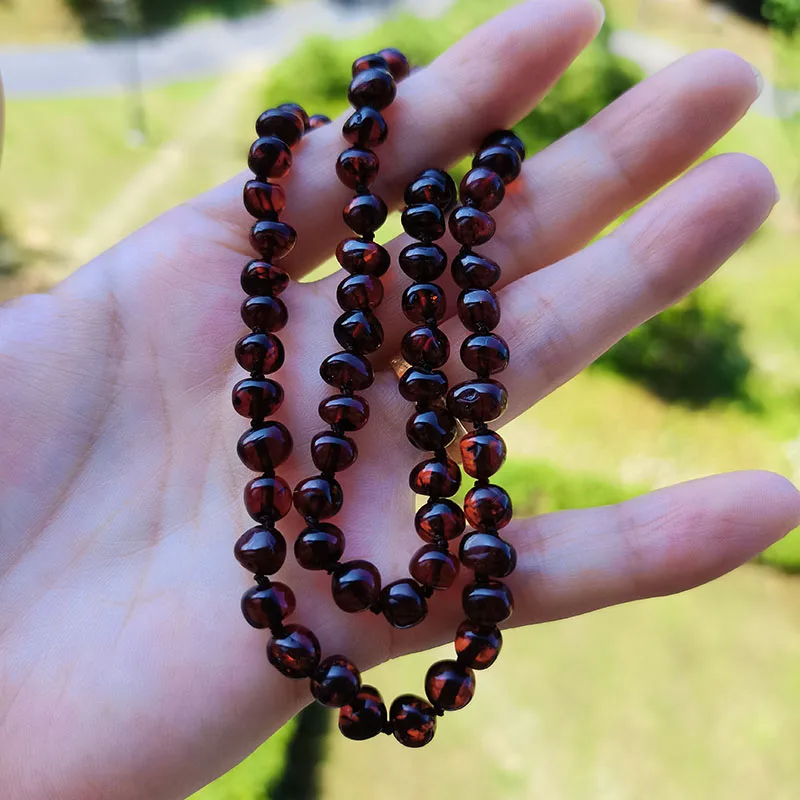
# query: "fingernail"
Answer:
x=777 y=194
x=600 y=10
x=759 y=80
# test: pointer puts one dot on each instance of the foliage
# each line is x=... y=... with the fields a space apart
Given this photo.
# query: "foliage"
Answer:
x=784 y=15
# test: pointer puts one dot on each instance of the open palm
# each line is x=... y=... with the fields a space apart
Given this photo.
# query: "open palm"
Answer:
x=126 y=669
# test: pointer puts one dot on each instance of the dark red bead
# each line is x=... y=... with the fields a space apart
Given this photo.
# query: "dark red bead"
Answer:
x=355 y=585
x=359 y=331
x=425 y=347
x=272 y=238
x=374 y=87
x=397 y=62
x=265 y=448
x=318 y=497
x=267 y=498
x=366 y=127
x=482 y=453
x=471 y=271
x=471 y=227
x=359 y=292
x=431 y=429
x=433 y=567
x=297 y=109
x=365 y=213
x=261 y=551
x=318 y=121
x=264 y=313
x=365 y=717
x=478 y=645
x=257 y=398
x=363 y=258
x=331 y=452
x=478 y=309
x=485 y=353
x=413 y=720
x=487 y=603
x=262 y=200
x=423 y=262
x=483 y=189
x=267 y=606
x=336 y=682
x=319 y=546
x=435 y=477
x=349 y=412
x=403 y=604
x=370 y=61
x=488 y=555
x=424 y=222
x=439 y=519
x=423 y=302
x=419 y=385
x=295 y=653
x=431 y=186
x=478 y=401
x=503 y=160
x=260 y=353
x=281 y=123
x=347 y=371
x=262 y=278
x=356 y=167
x=507 y=138
x=269 y=157
x=449 y=685
x=488 y=507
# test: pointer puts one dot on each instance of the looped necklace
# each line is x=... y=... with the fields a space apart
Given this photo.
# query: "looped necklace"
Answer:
x=356 y=585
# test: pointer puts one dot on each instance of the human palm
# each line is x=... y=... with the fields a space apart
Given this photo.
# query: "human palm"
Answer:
x=127 y=670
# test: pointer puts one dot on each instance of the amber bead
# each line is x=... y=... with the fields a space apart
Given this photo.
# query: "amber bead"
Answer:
x=419 y=385
x=397 y=62
x=267 y=498
x=359 y=331
x=431 y=429
x=423 y=262
x=318 y=497
x=485 y=353
x=471 y=271
x=488 y=507
x=363 y=258
x=264 y=313
x=260 y=353
x=424 y=222
x=331 y=452
x=356 y=167
x=366 y=127
x=413 y=720
x=356 y=585
x=483 y=189
x=257 y=398
x=435 y=477
x=365 y=717
x=262 y=278
x=505 y=161
x=449 y=685
x=370 y=61
x=260 y=550
x=269 y=157
x=347 y=371
x=281 y=123
x=487 y=602
x=359 y=292
x=482 y=453
x=267 y=606
x=425 y=347
x=423 y=302
x=471 y=226
x=319 y=546
x=297 y=109
x=295 y=652
x=478 y=309
x=431 y=186
x=349 y=412
x=336 y=682
x=439 y=519
x=434 y=568
x=478 y=645
x=318 y=121
x=403 y=604
x=263 y=200
x=365 y=213
x=374 y=87
x=272 y=238
x=265 y=448
x=478 y=401
x=507 y=138
x=487 y=554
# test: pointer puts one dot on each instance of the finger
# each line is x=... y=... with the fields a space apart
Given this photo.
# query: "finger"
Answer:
x=489 y=79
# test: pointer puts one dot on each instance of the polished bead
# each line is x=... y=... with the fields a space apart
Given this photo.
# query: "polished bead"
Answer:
x=362 y=258
x=318 y=121
x=295 y=652
x=365 y=717
x=359 y=292
x=331 y=452
x=370 y=61
x=366 y=127
x=505 y=161
x=356 y=585
x=434 y=568
x=359 y=331
x=487 y=554
x=423 y=262
x=419 y=385
x=365 y=213
x=403 y=604
x=356 y=167
x=423 y=302
x=374 y=87
x=431 y=429
x=478 y=401
x=431 y=186
x=257 y=398
x=471 y=226
x=482 y=453
x=478 y=645
x=265 y=448
x=425 y=347
x=267 y=498
x=296 y=108
x=272 y=238
x=424 y=222
x=347 y=371
x=449 y=685
x=478 y=309
x=482 y=189
x=336 y=682
x=260 y=550
x=260 y=353
x=319 y=546
x=488 y=507
x=318 y=497
x=262 y=278
x=471 y=271
x=269 y=157
x=413 y=720
x=281 y=123
x=267 y=606
x=439 y=519
x=488 y=602
x=349 y=412
x=263 y=200
x=435 y=477
x=397 y=62
x=507 y=138
x=485 y=353
x=264 y=313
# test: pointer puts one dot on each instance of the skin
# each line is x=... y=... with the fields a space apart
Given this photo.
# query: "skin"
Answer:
x=127 y=670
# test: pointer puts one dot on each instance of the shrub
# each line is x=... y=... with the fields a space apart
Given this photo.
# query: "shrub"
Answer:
x=784 y=15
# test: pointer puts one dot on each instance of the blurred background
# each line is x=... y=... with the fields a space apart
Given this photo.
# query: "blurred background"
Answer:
x=119 y=109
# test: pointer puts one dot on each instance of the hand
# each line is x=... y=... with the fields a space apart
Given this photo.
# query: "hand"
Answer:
x=127 y=670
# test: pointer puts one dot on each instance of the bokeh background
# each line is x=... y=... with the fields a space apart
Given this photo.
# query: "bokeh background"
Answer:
x=118 y=109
